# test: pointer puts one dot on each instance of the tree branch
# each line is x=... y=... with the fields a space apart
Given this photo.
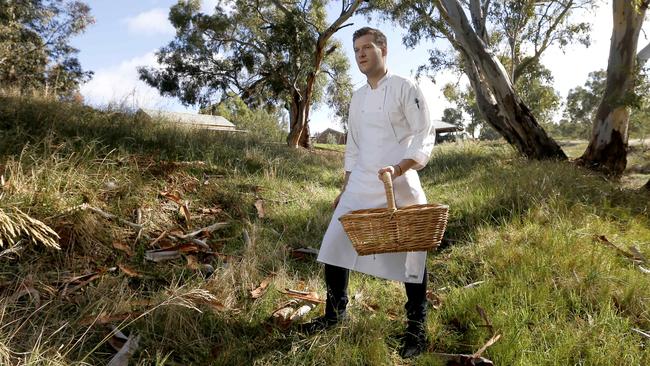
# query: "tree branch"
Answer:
x=282 y=8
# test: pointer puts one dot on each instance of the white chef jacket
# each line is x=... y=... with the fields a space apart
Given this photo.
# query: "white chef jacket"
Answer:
x=385 y=125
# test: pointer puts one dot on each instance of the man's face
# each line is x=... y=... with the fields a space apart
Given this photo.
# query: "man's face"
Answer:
x=369 y=56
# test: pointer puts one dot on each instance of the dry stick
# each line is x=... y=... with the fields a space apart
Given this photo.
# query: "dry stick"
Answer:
x=637 y=254
x=138 y=220
x=158 y=238
x=85 y=206
x=67 y=291
x=490 y=342
x=647 y=335
x=111 y=216
x=474 y=284
x=488 y=323
x=208 y=229
x=16 y=249
x=604 y=240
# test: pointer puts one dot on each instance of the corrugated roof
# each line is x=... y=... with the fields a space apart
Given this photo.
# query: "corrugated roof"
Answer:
x=205 y=120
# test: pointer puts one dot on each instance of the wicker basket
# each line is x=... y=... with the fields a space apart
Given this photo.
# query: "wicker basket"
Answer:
x=387 y=230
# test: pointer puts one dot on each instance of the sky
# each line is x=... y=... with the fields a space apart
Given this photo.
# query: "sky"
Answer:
x=127 y=34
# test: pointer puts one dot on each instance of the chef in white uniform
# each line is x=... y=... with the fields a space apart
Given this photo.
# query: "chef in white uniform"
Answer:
x=389 y=129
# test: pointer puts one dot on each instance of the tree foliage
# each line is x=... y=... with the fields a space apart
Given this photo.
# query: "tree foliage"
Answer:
x=485 y=33
x=525 y=29
x=581 y=103
x=263 y=50
x=35 y=50
x=452 y=116
x=465 y=101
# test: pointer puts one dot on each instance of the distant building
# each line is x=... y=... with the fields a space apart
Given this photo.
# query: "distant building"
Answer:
x=196 y=120
x=444 y=127
x=447 y=132
x=444 y=132
x=330 y=136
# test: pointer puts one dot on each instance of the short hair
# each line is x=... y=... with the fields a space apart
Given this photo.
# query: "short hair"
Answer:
x=378 y=37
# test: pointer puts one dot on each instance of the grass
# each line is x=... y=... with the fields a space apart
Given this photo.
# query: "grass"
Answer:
x=526 y=229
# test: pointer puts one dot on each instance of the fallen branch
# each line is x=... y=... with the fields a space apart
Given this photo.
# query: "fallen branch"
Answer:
x=106 y=215
x=113 y=217
x=207 y=229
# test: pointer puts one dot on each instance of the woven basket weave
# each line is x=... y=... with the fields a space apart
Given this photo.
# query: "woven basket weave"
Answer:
x=388 y=230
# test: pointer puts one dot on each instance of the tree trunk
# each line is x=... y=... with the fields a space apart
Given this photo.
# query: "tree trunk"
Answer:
x=607 y=150
x=496 y=97
x=299 y=130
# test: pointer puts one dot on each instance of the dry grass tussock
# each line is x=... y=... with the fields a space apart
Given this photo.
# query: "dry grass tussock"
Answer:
x=17 y=224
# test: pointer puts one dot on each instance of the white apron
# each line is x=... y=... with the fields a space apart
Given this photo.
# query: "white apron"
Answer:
x=378 y=148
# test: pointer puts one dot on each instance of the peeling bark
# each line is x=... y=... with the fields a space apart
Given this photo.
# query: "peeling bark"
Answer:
x=607 y=150
x=496 y=97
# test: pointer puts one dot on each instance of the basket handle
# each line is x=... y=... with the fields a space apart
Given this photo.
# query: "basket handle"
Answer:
x=388 y=187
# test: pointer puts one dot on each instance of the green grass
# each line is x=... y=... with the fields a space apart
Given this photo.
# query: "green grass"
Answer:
x=555 y=294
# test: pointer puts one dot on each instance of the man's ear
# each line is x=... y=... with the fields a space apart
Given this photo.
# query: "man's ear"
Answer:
x=384 y=50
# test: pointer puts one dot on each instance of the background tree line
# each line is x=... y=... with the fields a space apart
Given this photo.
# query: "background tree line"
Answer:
x=282 y=55
x=35 y=50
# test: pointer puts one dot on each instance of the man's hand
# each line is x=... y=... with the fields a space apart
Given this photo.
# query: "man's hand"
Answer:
x=392 y=169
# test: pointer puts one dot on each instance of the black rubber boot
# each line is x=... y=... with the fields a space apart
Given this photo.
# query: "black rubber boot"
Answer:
x=336 y=279
x=414 y=341
x=319 y=324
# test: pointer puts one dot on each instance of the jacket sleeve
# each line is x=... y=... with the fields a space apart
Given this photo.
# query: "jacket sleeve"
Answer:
x=351 y=145
x=417 y=115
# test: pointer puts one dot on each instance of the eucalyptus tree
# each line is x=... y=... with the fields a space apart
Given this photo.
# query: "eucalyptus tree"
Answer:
x=269 y=52
x=582 y=101
x=607 y=149
x=495 y=30
x=35 y=50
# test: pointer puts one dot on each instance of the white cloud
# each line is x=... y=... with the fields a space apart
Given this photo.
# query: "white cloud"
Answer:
x=151 y=22
x=120 y=85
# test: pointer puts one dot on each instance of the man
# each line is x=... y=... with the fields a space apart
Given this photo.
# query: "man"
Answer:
x=389 y=130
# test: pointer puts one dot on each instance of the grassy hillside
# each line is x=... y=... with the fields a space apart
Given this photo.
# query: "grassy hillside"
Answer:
x=530 y=238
